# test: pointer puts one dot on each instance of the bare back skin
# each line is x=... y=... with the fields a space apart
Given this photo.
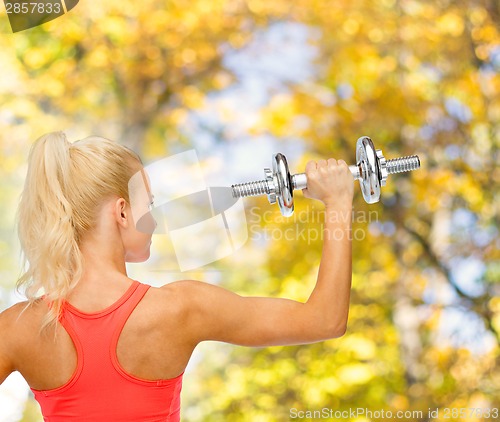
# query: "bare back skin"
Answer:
x=151 y=345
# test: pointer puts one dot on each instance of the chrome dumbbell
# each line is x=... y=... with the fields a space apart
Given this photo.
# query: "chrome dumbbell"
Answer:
x=371 y=170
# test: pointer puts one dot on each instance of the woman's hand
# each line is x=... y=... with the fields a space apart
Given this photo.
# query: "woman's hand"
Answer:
x=330 y=181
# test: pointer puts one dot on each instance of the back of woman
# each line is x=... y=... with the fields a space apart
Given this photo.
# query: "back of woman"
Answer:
x=96 y=345
x=127 y=353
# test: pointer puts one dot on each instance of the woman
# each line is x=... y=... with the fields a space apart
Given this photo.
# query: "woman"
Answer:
x=99 y=346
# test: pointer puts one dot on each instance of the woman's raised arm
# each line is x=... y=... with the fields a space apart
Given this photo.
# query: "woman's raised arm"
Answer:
x=214 y=313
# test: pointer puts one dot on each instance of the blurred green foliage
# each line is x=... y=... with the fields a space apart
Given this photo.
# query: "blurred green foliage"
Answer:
x=417 y=76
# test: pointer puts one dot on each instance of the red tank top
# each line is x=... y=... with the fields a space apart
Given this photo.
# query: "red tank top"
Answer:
x=100 y=390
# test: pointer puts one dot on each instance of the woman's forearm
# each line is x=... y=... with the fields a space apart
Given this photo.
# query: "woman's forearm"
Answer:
x=329 y=301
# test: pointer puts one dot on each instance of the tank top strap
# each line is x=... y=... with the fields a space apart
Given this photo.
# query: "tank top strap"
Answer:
x=126 y=303
x=123 y=311
x=107 y=323
x=120 y=317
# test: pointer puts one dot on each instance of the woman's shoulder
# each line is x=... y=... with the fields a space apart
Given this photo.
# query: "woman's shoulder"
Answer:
x=21 y=309
x=169 y=294
x=183 y=292
x=183 y=287
x=18 y=320
x=175 y=297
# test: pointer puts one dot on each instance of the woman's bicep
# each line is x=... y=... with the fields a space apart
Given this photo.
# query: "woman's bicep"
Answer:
x=220 y=315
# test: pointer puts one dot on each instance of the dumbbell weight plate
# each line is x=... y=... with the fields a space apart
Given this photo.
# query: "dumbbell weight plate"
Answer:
x=285 y=185
x=369 y=181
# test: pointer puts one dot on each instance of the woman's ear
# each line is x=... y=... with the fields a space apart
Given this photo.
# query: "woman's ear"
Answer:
x=121 y=212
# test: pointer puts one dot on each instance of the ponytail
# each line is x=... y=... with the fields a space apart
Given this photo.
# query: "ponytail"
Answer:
x=64 y=186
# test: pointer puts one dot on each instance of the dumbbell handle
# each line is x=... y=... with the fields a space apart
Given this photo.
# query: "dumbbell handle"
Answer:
x=396 y=165
x=299 y=180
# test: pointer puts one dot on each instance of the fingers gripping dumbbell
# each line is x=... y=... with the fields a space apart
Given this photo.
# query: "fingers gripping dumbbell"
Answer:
x=371 y=170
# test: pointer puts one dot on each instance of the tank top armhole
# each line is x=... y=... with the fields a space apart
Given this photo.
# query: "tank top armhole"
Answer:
x=79 y=361
x=140 y=292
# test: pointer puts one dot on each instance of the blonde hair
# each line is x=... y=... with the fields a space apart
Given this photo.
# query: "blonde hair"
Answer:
x=66 y=183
